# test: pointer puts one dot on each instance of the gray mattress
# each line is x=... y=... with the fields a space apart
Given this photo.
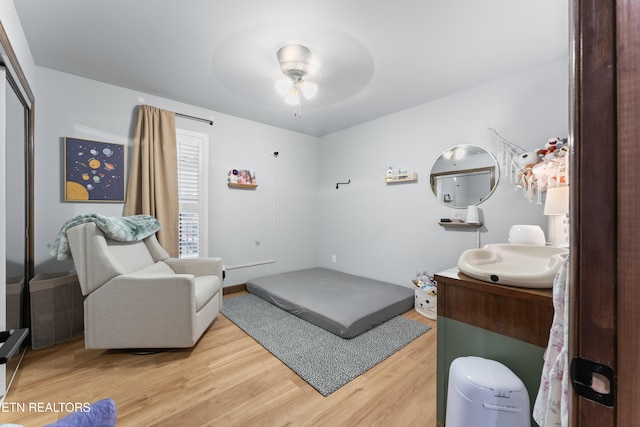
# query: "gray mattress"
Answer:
x=341 y=303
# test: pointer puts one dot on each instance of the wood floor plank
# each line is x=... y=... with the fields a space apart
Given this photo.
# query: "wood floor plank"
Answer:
x=227 y=379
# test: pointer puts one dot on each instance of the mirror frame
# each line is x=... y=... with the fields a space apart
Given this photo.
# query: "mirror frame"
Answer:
x=494 y=174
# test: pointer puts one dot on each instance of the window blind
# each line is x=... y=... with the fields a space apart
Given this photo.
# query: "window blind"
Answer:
x=189 y=195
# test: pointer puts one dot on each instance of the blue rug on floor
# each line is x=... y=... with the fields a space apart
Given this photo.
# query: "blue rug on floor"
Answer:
x=324 y=360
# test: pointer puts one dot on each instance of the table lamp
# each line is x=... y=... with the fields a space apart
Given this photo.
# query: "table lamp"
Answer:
x=556 y=206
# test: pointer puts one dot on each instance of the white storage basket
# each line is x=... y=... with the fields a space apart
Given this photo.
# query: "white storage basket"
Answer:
x=426 y=302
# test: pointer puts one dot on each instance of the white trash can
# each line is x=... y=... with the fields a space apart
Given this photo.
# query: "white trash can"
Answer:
x=486 y=393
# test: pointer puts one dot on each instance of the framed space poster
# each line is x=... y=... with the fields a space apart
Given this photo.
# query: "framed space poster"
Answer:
x=93 y=171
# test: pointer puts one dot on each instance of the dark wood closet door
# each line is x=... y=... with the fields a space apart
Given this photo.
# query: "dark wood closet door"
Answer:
x=628 y=298
x=605 y=261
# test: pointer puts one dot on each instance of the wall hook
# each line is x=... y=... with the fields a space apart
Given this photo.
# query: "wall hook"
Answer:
x=342 y=183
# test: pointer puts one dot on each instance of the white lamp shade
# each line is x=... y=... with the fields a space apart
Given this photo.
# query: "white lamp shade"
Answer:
x=557 y=201
x=292 y=96
x=283 y=86
x=309 y=89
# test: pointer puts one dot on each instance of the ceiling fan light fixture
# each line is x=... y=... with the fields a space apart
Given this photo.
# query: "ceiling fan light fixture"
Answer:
x=460 y=153
x=294 y=58
x=301 y=74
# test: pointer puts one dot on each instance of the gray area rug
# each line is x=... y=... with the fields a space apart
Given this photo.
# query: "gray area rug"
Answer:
x=322 y=359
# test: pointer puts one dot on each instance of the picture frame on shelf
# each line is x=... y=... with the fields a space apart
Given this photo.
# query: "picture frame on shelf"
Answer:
x=242 y=178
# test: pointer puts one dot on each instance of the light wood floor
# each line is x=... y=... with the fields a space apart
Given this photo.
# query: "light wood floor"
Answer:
x=227 y=379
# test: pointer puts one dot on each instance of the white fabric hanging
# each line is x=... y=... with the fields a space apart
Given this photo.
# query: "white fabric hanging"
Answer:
x=551 y=406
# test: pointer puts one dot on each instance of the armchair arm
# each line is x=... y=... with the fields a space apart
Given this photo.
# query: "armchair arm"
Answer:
x=157 y=291
x=197 y=266
x=142 y=311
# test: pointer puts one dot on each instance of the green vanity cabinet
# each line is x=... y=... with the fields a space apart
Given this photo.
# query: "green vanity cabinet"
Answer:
x=507 y=324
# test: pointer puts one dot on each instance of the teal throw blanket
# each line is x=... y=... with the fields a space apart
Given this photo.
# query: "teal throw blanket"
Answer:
x=122 y=229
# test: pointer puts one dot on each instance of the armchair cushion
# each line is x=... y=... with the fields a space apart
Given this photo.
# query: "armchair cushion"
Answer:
x=196 y=266
x=130 y=256
x=159 y=267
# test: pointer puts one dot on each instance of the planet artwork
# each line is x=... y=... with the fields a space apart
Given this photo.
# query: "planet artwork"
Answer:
x=94 y=171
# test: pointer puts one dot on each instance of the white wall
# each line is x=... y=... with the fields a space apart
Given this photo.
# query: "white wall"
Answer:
x=374 y=229
x=388 y=231
x=15 y=33
x=72 y=106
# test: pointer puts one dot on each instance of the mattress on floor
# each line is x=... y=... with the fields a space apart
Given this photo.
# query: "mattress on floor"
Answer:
x=341 y=303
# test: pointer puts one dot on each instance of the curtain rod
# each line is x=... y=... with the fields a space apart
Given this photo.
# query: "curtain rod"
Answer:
x=195 y=118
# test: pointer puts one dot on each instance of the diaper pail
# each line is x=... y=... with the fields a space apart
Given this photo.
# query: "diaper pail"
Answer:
x=483 y=392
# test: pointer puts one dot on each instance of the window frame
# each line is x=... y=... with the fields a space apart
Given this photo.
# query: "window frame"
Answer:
x=201 y=140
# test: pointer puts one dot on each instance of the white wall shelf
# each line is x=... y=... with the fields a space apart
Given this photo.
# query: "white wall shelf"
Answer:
x=405 y=177
x=460 y=224
x=236 y=185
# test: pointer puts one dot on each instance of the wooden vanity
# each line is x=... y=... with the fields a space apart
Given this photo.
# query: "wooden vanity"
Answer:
x=520 y=313
x=503 y=323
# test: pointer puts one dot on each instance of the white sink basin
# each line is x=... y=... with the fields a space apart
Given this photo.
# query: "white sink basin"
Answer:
x=524 y=266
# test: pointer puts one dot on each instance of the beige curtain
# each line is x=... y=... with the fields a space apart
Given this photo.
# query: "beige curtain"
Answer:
x=153 y=182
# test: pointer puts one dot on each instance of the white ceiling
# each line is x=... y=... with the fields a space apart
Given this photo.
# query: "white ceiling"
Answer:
x=376 y=57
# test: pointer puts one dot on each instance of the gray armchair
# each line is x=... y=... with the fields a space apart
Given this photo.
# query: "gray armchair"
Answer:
x=137 y=297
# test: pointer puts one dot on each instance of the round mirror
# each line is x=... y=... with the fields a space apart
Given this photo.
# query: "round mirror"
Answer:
x=464 y=175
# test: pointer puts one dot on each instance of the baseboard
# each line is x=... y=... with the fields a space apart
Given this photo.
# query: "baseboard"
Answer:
x=234 y=288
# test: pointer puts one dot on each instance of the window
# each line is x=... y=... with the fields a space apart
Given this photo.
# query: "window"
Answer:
x=192 y=193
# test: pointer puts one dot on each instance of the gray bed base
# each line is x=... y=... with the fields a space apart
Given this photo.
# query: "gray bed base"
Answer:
x=341 y=303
